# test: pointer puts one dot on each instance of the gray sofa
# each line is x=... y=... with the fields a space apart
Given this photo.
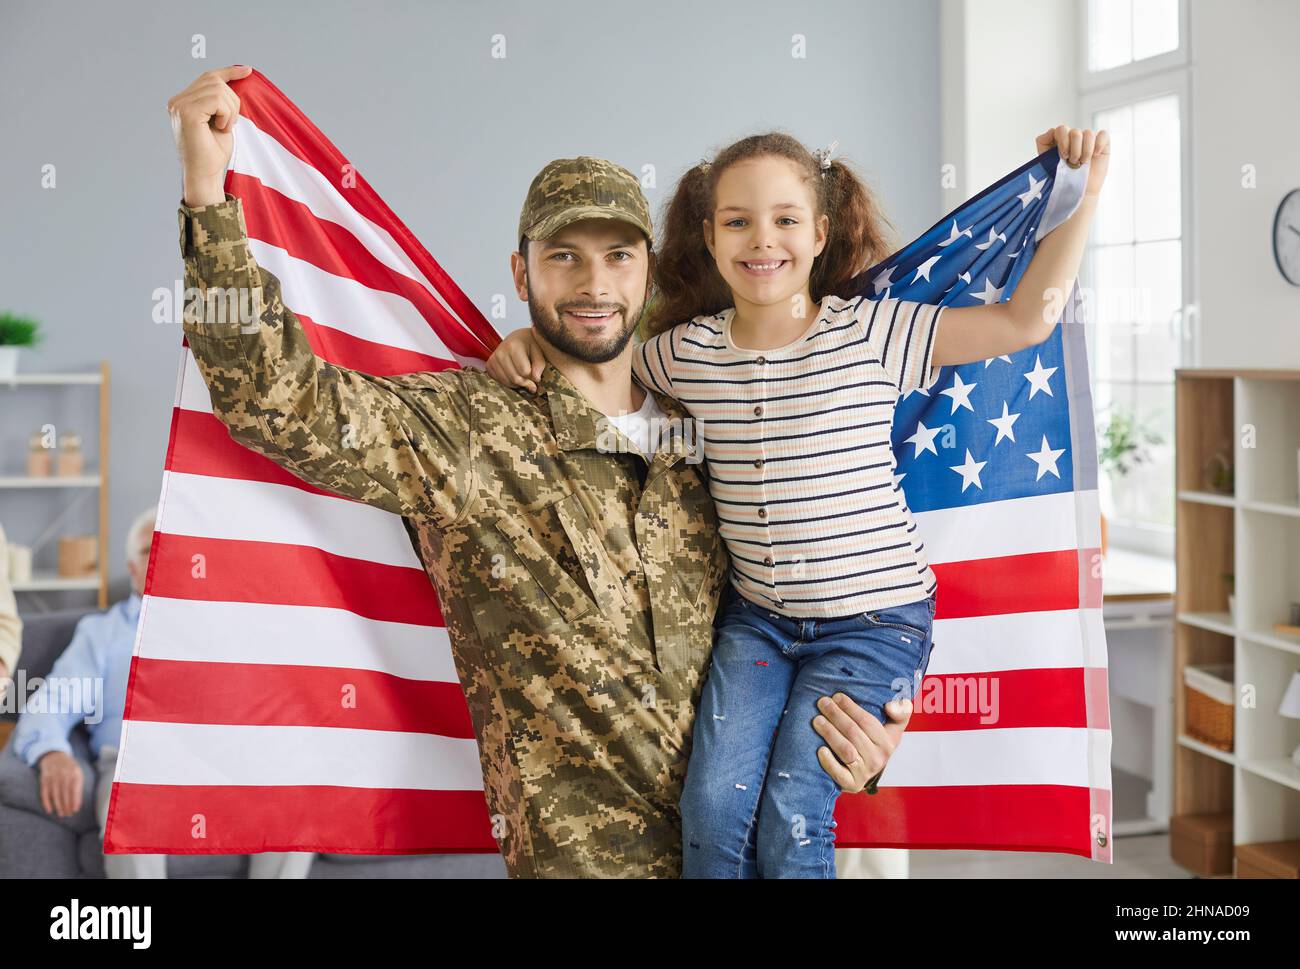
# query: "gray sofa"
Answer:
x=34 y=844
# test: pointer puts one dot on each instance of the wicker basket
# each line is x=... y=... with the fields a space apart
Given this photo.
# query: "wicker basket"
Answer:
x=1208 y=691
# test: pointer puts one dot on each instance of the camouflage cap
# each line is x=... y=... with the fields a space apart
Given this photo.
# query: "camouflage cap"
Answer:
x=569 y=189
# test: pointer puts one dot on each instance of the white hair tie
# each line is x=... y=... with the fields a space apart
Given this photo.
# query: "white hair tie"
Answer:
x=823 y=156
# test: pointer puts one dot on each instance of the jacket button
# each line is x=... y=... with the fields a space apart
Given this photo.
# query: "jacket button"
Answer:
x=758 y=463
x=768 y=560
x=758 y=411
x=762 y=513
x=761 y=360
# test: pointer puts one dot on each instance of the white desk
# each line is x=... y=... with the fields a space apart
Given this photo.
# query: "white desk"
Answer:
x=1138 y=611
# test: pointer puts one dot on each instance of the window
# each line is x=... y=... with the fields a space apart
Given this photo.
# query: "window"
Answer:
x=1135 y=270
x=1124 y=31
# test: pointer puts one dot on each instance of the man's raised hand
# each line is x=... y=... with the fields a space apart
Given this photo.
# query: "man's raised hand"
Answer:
x=203 y=120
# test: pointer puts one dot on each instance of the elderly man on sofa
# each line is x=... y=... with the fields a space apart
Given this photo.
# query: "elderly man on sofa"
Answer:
x=95 y=667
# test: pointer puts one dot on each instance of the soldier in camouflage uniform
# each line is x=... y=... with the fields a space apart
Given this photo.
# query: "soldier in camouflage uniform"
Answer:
x=579 y=583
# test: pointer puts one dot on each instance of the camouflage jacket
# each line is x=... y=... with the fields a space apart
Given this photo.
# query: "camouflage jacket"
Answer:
x=579 y=602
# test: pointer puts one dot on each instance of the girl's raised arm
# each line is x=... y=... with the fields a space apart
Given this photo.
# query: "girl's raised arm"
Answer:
x=971 y=333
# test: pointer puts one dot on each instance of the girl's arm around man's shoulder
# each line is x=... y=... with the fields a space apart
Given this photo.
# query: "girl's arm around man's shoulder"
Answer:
x=655 y=359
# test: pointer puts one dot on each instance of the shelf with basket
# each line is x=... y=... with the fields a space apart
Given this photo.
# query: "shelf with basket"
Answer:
x=1237 y=635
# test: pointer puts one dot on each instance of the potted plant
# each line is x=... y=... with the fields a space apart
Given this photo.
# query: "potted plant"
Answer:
x=1123 y=445
x=16 y=332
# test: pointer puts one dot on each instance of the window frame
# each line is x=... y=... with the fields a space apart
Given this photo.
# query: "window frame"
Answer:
x=1163 y=74
x=1177 y=59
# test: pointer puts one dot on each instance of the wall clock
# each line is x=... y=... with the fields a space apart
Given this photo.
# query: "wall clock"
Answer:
x=1286 y=237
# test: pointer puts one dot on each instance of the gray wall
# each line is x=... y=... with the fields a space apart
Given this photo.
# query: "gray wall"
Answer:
x=449 y=136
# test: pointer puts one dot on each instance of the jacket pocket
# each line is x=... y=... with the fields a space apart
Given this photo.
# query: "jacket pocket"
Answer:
x=608 y=587
x=568 y=597
x=700 y=556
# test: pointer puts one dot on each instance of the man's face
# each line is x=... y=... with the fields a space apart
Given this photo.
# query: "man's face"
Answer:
x=586 y=287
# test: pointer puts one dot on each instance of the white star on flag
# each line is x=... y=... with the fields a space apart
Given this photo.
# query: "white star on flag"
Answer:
x=960 y=393
x=1038 y=378
x=991 y=293
x=923 y=439
x=923 y=270
x=970 y=472
x=1046 y=457
x=1003 y=424
x=1035 y=191
x=955 y=234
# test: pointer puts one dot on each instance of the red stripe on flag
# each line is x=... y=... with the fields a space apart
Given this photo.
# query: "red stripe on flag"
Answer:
x=290 y=225
x=1016 y=698
x=367 y=356
x=201 y=444
x=280 y=118
x=1002 y=817
x=163 y=819
x=263 y=694
x=290 y=575
x=1033 y=582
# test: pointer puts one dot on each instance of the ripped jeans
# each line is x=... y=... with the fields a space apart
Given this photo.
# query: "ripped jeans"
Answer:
x=757 y=803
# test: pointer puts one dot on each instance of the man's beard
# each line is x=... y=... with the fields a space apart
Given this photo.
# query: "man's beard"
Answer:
x=549 y=323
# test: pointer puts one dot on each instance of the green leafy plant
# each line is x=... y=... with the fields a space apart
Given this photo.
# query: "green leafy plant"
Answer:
x=1125 y=443
x=18 y=331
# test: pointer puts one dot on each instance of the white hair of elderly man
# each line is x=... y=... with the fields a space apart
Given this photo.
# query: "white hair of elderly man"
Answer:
x=143 y=523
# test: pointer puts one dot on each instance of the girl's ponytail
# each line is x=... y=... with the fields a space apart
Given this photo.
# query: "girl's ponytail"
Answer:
x=687 y=282
x=857 y=238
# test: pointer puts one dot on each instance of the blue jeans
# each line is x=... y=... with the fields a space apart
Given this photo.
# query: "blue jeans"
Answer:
x=757 y=803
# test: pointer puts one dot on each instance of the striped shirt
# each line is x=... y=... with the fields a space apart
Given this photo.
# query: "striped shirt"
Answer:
x=797 y=441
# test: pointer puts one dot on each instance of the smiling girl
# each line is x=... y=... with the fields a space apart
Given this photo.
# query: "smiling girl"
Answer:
x=793 y=376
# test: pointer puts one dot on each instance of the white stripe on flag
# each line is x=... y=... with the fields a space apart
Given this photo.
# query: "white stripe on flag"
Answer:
x=194 y=394
x=193 y=630
x=347 y=305
x=258 y=511
x=258 y=155
x=225 y=754
x=998 y=756
x=1017 y=526
x=1016 y=641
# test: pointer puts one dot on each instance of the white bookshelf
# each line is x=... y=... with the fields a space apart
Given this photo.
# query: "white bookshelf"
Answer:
x=44 y=581
x=54 y=481
x=1254 y=533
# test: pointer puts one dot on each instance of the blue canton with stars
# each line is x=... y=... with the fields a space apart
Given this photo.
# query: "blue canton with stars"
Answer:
x=994 y=429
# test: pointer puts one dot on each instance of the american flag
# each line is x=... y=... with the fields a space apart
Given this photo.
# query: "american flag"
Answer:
x=1009 y=743
x=267 y=599
x=265 y=594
